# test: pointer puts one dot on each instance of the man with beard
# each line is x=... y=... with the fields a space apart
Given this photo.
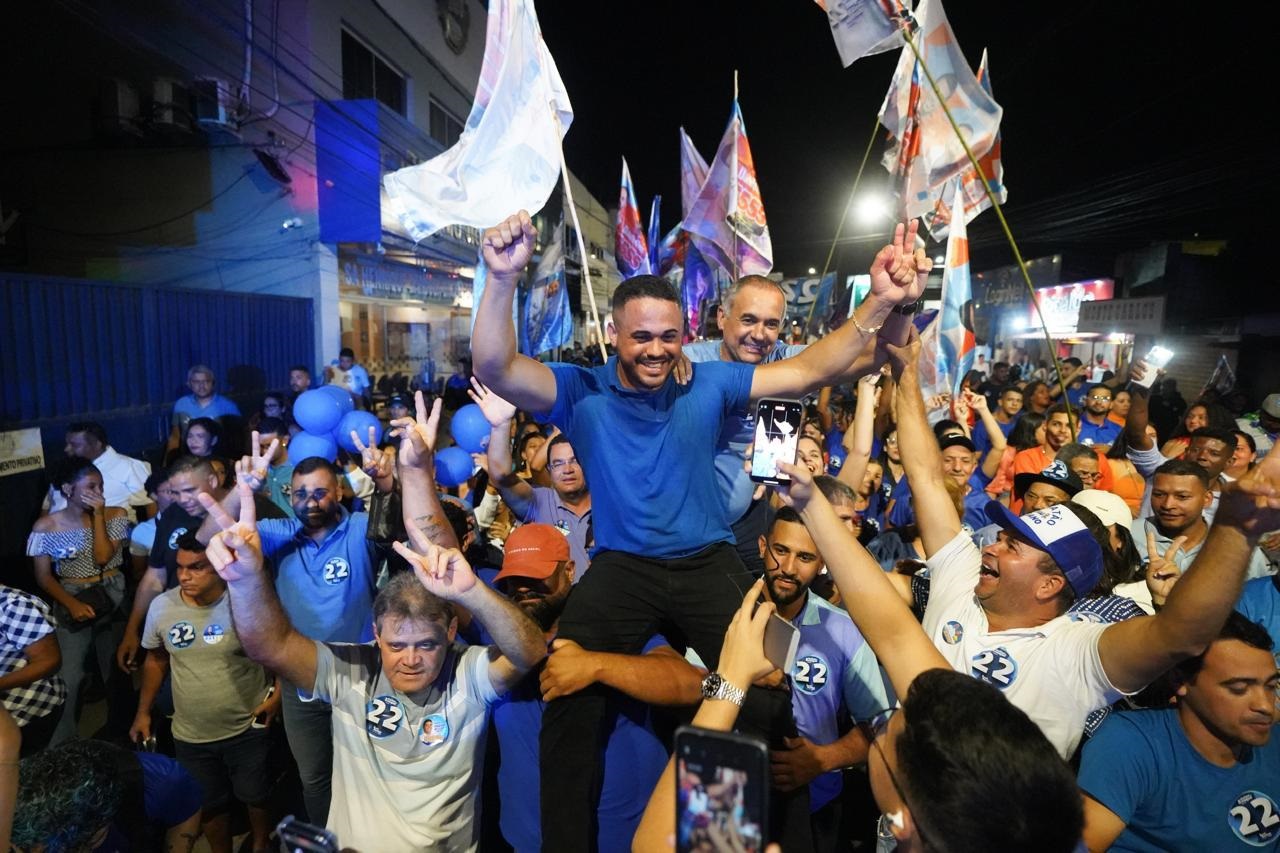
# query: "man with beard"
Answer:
x=537 y=574
x=835 y=669
x=1095 y=427
x=642 y=438
x=327 y=562
x=1200 y=775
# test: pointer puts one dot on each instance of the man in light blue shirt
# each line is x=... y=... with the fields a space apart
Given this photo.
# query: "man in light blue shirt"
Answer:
x=202 y=402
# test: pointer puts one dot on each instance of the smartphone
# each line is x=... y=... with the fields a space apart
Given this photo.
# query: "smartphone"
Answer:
x=1156 y=358
x=781 y=640
x=260 y=722
x=778 y=425
x=722 y=791
x=298 y=837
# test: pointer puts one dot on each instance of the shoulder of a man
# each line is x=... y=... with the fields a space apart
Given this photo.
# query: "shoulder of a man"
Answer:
x=472 y=675
x=276 y=533
x=1122 y=763
x=342 y=671
x=700 y=352
x=953 y=571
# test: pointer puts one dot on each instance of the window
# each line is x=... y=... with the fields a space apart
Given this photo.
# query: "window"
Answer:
x=364 y=75
x=445 y=126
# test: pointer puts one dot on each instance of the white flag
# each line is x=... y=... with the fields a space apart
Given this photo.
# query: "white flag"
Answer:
x=508 y=157
x=863 y=27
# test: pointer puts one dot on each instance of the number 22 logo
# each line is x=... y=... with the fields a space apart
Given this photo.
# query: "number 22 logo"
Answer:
x=182 y=634
x=1253 y=818
x=995 y=666
x=811 y=673
x=383 y=716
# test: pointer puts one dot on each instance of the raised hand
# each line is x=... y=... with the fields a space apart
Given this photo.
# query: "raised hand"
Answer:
x=496 y=410
x=976 y=401
x=252 y=469
x=378 y=464
x=418 y=435
x=1162 y=569
x=235 y=552
x=800 y=490
x=907 y=354
x=443 y=571
x=894 y=276
x=742 y=659
x=508 y=246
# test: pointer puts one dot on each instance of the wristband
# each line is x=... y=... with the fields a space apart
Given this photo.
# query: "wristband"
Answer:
x=908 y=309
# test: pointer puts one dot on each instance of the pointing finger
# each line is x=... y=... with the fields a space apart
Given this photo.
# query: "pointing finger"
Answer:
x=215 y=510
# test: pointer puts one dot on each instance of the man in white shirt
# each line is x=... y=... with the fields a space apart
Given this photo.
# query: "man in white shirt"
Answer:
x=123 y=477
x=999 y=614
x=410 y=710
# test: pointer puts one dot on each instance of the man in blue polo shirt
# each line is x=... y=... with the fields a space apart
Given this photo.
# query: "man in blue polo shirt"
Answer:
x=1095 y=427
x=750 y=321
x=1260 y=602
x=834 y=670
x=664 y=545
x=202 y=402
x=960 y=463
x=327 y=561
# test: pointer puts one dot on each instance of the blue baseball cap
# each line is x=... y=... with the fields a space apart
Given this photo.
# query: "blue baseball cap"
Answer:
x=1059 y=532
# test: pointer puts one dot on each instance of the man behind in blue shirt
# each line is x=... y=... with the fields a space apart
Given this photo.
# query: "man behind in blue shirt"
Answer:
x=202 y=402
x=1095 y=427
x=537 y=574
x=750 y=321
x=1201 y=775
x=835 y=670
x=665 y=557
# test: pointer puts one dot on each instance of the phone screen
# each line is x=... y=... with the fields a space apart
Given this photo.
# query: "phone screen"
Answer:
x=721 y=791
x=777 y=436
x=1155 y=359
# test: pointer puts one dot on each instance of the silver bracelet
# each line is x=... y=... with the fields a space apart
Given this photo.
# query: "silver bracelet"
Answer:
x=862 y=328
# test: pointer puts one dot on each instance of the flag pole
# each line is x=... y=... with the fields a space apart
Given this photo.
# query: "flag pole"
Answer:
x=844 y=214
x=734 y=178
x=583 y=266
x=1004 y=224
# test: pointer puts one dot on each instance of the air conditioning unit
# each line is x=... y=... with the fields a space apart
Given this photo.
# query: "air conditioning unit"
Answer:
x=118 y=107
x=213 y=103
x=170 y=105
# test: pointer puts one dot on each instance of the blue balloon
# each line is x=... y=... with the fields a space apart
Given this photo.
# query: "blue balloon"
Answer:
x=304 y=445
x=316 y=411
x=341 y=395
x=470 y=429
x=360 y=422
x=453 y=466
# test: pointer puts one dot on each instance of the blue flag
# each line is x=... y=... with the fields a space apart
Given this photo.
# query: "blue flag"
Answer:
x=548 y=323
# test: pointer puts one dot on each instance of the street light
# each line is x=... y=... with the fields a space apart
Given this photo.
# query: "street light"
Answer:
x=813 y=271
x=871 y=209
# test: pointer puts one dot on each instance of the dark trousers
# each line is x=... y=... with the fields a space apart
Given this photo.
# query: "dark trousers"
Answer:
x=623 y=601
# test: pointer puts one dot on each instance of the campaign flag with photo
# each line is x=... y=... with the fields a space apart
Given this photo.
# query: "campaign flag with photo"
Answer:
x=548 y=321
x=508 y=156
x=727 y=220
x=926 y=152
x=863 y=27
x=693 y=173
x=956 y=342
x=697 y=287
x=976 y=199
x=630 y=251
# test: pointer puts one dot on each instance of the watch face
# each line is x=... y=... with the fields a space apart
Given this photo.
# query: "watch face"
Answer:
x=711 y=685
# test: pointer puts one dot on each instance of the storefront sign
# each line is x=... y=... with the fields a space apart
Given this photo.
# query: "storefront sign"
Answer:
x=20 y=451
x=1006 y=286
x=1127 y=316
x=390 y=280
x=1061 y=304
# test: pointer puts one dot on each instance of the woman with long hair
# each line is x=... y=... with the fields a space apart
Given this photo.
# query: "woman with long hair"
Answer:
x=1200 y=413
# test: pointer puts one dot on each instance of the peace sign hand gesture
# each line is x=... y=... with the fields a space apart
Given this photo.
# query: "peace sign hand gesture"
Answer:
x=1162 y=569
x=418 y=435
x=443 y=571
x=236 y=550
x=378 y=464
x=895 y=271
x=252 y=469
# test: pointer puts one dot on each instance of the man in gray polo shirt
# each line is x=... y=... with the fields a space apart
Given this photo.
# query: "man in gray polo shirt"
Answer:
x=565 y=506
x=409 y=710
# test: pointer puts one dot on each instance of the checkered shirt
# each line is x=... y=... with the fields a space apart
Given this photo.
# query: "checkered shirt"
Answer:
x=24 y=619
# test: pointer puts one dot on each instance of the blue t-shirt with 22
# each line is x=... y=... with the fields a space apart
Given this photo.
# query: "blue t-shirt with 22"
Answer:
x=649 y=456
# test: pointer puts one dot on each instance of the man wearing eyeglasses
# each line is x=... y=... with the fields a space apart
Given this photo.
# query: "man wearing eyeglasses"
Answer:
x=1095 y=427
x=565 y=506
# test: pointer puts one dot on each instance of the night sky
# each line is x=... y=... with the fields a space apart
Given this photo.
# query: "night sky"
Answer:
x=1123 y=123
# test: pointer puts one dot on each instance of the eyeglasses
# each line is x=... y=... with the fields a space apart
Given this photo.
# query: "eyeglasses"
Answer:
x=560 y=464
x=1099 y=399
x=872 y=730
x=303 y=495
x=1087 y=477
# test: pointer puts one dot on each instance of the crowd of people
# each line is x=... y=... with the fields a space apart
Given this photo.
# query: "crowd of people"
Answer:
x=1033 y=614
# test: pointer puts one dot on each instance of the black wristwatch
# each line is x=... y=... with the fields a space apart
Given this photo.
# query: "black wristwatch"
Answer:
x=910 y=308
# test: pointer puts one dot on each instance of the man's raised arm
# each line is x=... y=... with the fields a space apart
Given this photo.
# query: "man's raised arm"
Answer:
x=921 y=458
x=529 y=384
x=260 y=622
x=517 y=493
x=1133 y=653
x=419 y=499
x=894 y=281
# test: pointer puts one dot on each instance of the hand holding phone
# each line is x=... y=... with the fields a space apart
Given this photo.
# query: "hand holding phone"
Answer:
x=1152 y=363
x=777 y=437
